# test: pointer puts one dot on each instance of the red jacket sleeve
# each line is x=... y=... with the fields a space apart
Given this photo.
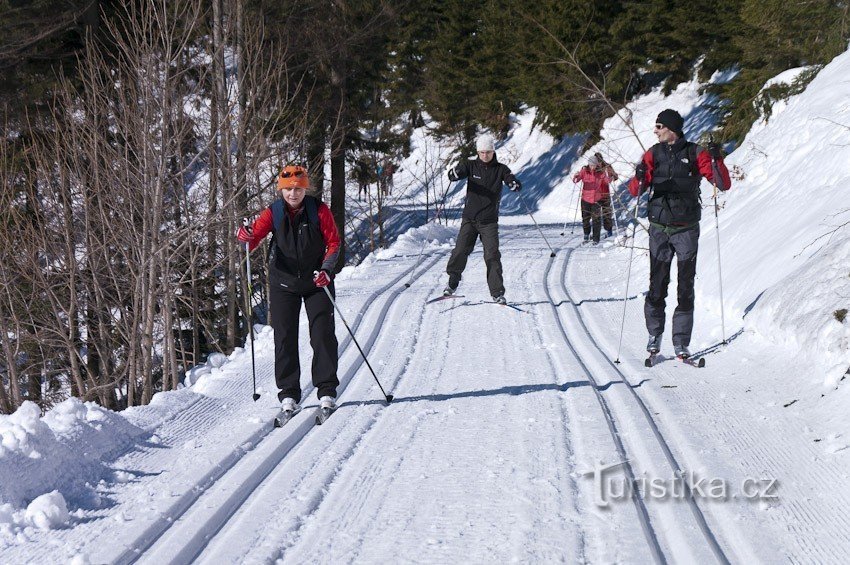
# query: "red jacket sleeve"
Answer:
x=718 y=175
x=327 y=226
x=634 y=184
x=261 y=227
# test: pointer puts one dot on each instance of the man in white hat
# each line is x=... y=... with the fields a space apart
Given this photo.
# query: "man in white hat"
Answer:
x=485 y=176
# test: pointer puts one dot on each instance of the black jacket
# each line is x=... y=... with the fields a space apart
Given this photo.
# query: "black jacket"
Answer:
x=483 y=187
x=676 y=178
x=298 y=248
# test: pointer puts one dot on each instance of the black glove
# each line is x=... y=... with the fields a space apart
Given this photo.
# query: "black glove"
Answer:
x=640 y=175
x=715 y=150
x=515 y=185
x=451 y=170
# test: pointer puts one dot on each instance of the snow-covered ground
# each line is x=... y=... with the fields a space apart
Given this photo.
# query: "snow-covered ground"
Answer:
x=504 y=416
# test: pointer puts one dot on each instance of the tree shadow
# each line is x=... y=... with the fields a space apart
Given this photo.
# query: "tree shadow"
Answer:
x=505 y=390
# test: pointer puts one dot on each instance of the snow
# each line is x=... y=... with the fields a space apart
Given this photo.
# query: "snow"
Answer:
x=501 y=414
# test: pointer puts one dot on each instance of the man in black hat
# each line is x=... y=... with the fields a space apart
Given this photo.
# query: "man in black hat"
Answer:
x=673 y=169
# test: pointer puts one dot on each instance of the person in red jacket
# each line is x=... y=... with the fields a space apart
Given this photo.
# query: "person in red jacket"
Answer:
x=303 y=253
x=595 y=178
x=672 y=170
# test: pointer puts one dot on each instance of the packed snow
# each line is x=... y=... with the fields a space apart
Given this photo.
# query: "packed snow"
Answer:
x=501 y=414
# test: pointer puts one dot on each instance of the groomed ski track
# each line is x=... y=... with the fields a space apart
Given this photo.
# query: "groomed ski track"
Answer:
x=500 y=415
x=343 y=492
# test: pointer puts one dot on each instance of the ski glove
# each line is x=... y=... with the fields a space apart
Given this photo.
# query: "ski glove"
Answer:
x=322 y=278
x=244 y=235
x=715 y=150
x=515 y=185
x=640 y=175
x=452 y=172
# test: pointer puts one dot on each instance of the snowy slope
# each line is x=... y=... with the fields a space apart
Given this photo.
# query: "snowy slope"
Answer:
x=502 y=414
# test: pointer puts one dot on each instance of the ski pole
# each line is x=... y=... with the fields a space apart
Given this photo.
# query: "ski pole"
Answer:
x=715 y=171
x=570 y=207
x=388 y=397
x=575 y=214
x=614 y=212
x=535 y=223
x=247 y=226
x=629 y=273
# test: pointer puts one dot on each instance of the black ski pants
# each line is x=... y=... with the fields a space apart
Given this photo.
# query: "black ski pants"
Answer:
x=286 y=310
x=607 y=213
x=470 y=231
x=591 y=215
x=663 y=247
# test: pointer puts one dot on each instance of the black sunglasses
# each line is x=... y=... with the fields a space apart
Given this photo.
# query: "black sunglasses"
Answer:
x=288 y=174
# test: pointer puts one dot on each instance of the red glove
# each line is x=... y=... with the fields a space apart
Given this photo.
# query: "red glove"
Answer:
x=244 y=235
x=322 y=278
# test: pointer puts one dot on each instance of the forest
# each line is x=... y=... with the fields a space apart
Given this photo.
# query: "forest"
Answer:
x=137 y=134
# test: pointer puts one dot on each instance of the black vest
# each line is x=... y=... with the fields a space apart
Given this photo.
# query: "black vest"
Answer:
x=298 y=246
x=675 y=199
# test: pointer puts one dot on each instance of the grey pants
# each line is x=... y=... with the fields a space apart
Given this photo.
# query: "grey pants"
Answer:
x=662 y=248
x=470 y=231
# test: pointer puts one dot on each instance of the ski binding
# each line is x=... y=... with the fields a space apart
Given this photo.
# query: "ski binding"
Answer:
x=285 y=416
x=322 y=415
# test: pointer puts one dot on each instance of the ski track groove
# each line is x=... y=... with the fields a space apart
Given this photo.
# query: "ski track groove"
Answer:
x=756 y=457
x=640 y=507
x=344 y=480
x=699 y=517
x=153 y=532
x=317 y=498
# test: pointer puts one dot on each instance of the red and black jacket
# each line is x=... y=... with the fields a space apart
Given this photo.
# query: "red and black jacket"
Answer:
x=305 y=240
x=674 y=171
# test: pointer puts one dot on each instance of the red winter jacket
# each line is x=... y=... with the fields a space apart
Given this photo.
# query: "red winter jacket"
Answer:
x=265 y=222
x=703 y=164
x=595 y=183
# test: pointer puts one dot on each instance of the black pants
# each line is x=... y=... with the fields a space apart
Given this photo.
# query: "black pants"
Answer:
x=286 y=310
x=662 y=248
x=607 y=213
x=470 y=230
x=590 y=219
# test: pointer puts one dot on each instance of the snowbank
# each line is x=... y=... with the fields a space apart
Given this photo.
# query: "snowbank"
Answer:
x=62 y=452
x=784 y=268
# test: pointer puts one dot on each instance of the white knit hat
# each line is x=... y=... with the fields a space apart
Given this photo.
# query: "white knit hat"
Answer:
x=485 y=143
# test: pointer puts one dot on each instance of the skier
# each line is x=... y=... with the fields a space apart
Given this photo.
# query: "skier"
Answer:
x=480 y=215
x=606 y=203
x=672 y=169
x=361 y=175
x=595 y=177
x=302 y=256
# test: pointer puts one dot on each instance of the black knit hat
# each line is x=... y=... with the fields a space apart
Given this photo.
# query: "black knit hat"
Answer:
x=673 y=120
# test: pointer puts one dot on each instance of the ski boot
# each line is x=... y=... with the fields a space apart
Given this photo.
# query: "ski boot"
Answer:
x=288 y=409
x=653 y=346
x=327 y=406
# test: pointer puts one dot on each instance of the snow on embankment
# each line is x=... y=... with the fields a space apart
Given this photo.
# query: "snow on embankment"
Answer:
x=784 y=265
x=46 y=461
